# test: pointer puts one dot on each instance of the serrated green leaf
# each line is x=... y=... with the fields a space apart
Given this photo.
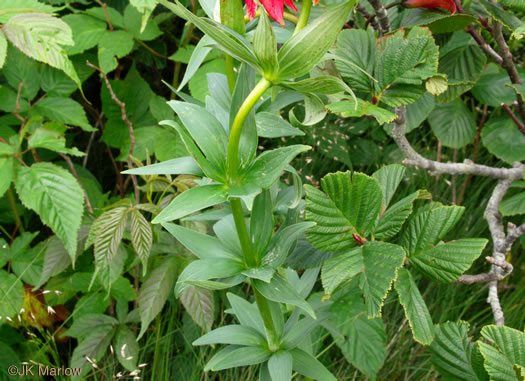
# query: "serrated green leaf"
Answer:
x=389 y=178
x=14 y=7
x=425 y=228
x=351 y=204
x=356 y=51
x=112 y=45
x=64 y=110
x=40 y=35
x=453 y=124
x=3 y=49
x=87 y=32
x=154 y=292
x=415 y=308
x=137 y=25
x=232 y=334
x=390 y=223
x=437 y=21
x=192 y=200
x=305 y=49
x=447 y=262
x=6 y=168
x=94 y=346
x=126 y=348
x=506 y=349
x=381 y=262
x=110 y=230
x=341 y=268
x=11 y=295
x=503 y=139
x=198 y=302
x=452 y=352
x=51 y=140
x=513 y=205
x=350 y=109
x=54 y=194
x=83 y=326
x=507 y=19
x=141 y=237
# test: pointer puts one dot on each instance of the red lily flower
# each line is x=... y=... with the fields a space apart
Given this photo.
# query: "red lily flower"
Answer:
x=446 y=4
x=275 y=8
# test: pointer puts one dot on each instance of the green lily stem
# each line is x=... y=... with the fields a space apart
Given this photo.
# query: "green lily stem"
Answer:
x=269 y=327
x=232 y=161
x=12 y=204
x=242 y=232
x=230 y=73
x=304 y=16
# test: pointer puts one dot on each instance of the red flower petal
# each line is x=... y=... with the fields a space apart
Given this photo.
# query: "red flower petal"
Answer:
x=275 y=9
x=445 y=4
x=291 y=5
x=251 y=7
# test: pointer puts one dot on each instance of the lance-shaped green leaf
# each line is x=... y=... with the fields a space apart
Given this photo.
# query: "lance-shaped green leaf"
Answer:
x=228 y=40
x=265 y=46
x=154 y=292
x=381 y=262
x=415 y=308
x=281 y=291
x=205 y=130
x=54 y=194
x=246 y=313
x=179 y=166
x=447 y=262
x=232 y=334
x=40 y=35
x=248 y=142
x=205 y=269
x=267 y=167
x=453 y=355
x=283 y=241
x=505 y=353
x=261 y=222
x=280 y=366
x=201 y=51
x=193 y=200
x=350 y=108
x=141 y=237
x=270 y=125
x=351 y=203
x=305 y=49
x=233 y=356
x=202 y=245
x=210 y=169
x=341 y=268
x=307 y=365
x=425 y=228
x=199 y=304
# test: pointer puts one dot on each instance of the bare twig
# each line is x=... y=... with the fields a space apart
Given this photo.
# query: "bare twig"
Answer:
x=370 y=19
x=67 y=159
x=17 y=106
x=124 y=116
x=382 y=15
x=514 y=118
x=92 y=138
x=105 y=7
